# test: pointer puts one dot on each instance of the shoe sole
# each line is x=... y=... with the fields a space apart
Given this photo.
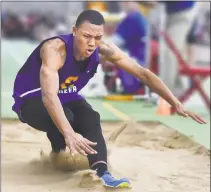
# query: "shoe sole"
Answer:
x=121 y=185
x=124 y=185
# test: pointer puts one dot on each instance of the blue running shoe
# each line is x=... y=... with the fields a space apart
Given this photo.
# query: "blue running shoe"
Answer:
x=110 y=181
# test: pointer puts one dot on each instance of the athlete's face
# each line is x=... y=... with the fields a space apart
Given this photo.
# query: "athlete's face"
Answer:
x=87 y=38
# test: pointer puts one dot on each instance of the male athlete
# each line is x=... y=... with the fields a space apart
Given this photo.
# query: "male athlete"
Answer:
x=46 y=91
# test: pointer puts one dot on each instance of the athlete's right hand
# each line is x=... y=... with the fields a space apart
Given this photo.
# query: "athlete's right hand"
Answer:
x=78 y=144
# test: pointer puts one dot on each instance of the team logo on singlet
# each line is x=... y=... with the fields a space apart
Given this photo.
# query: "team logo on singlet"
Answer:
x=68 y=85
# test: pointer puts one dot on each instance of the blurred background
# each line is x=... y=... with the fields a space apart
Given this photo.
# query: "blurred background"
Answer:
x=138 y=28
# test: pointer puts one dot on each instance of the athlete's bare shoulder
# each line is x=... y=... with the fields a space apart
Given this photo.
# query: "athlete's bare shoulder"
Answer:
x=105 y=49
x=109 y=51
x=54 y=48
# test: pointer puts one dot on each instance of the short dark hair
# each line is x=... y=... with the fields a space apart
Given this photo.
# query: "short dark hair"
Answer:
x=92 y=16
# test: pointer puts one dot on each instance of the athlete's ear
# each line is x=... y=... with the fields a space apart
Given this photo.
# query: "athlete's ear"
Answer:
x=74 y=31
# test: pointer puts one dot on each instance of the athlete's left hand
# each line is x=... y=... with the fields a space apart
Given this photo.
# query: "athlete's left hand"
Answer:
x=180 y=110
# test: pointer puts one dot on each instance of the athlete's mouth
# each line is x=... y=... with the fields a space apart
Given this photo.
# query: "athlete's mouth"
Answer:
x=89 y=50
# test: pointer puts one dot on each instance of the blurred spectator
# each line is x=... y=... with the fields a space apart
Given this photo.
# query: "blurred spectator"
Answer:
x=200 y=30
x=180 y=16
x=131 y=35
x=198 y=34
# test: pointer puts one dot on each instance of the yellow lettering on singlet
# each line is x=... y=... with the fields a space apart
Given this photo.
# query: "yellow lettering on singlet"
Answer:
x=69 y=80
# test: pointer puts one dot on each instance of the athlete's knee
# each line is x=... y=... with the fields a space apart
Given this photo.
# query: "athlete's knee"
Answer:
x=97 y=116
x=91 y=121
x=94 y=118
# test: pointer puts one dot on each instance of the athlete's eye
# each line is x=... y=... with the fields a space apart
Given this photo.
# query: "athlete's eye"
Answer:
x=98 y=38
x=86 y=36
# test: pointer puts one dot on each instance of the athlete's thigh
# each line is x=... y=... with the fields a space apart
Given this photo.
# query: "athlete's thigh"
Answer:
x=86 y=119
x=36 y=115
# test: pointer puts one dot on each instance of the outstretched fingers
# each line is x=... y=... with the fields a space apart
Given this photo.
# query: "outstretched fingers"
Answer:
x=197 y=119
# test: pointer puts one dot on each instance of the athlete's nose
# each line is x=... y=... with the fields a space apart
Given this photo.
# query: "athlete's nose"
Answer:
x=91 y=42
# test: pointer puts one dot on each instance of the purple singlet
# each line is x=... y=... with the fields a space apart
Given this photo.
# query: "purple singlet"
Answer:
x=71 y=80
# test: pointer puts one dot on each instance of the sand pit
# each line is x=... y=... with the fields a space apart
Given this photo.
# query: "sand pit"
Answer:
x=153 y=157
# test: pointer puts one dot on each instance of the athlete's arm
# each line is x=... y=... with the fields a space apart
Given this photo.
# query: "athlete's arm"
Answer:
x=113 y=54
x=53 y=54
